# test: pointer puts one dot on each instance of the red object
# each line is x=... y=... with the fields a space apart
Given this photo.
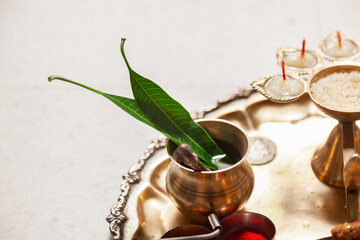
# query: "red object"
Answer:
x=243 y=234
x=339 y=38
x=303 y=49
x=247 y=226
x=283 y=70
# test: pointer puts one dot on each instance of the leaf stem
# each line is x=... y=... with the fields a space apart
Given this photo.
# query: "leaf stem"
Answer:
x=54 y=77
x=123 y=52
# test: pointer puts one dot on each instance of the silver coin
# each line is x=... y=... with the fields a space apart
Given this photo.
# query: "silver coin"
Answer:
x=262 y=150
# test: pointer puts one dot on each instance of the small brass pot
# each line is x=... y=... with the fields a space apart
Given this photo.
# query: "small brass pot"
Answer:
x=198 y=194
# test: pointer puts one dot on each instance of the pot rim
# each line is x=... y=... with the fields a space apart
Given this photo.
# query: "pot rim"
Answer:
x=243 y=157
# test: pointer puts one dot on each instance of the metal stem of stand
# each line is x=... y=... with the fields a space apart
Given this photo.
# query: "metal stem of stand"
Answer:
x=351 y=170
x=215 y=224
x=337 y=163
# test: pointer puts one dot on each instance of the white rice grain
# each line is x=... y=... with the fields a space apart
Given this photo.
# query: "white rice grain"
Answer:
x=338 y=91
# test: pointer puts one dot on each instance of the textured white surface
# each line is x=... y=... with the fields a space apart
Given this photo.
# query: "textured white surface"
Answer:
x=63 y=150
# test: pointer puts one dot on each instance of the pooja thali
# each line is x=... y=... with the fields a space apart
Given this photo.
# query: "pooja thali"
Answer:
x=283 y=140
x=286 y=189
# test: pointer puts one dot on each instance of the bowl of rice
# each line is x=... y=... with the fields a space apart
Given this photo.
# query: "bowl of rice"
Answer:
x=335 y=89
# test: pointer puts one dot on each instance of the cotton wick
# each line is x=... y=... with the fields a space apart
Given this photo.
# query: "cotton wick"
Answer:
x=283 y=70
x=303 y=49
x=339 y=38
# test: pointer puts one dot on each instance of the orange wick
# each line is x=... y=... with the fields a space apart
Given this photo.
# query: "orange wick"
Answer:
x=283 y=70
x=339 y=38
x=303 y=49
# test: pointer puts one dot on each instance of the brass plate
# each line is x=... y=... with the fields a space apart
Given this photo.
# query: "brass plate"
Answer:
x=286 y=189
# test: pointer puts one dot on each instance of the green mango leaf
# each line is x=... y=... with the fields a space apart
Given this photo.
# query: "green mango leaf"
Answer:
x=131 y=107
x=171 y=116
x=126 y=104
x=154 y=107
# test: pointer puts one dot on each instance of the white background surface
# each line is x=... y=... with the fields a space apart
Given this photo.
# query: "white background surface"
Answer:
x=63 y=150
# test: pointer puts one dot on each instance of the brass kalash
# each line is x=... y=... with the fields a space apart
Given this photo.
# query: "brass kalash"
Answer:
x=337 y=161
x=222 y=192
x=210 y=194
